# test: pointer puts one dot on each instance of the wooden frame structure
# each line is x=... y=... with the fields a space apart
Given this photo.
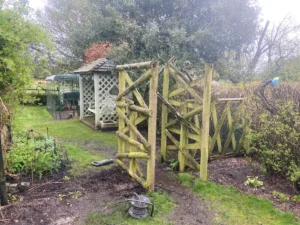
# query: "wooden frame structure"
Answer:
x=187 y=133
x=136 y=153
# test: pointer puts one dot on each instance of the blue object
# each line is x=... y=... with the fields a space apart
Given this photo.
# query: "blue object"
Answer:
x=275 y=81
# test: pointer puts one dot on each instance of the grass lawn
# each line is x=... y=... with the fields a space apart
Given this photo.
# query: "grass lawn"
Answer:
x=72 y=134
x=234 y=208
x=164 y=205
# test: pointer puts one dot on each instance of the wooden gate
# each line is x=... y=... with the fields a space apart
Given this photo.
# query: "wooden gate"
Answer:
x=182 y=128
x=136 y=154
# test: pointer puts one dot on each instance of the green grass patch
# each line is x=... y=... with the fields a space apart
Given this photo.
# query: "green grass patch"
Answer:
x=72 y=134
x=233 y=207
x=163 y=206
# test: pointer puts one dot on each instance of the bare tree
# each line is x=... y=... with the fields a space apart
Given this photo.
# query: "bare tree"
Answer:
x=276 y=43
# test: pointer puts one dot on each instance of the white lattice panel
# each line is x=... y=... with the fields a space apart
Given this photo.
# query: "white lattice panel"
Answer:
x=108 y=84
x=88 y=93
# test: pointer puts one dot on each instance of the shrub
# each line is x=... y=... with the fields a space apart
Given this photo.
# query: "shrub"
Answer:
x=275 y=141
x=38 y=155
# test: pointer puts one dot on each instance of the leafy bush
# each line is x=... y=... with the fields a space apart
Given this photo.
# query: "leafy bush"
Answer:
x=275 y=141
x=38 y=155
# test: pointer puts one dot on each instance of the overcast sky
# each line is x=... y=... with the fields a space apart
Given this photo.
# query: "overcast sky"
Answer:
x=273 y=10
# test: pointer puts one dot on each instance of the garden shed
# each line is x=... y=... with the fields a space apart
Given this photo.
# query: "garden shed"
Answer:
x=98 y=91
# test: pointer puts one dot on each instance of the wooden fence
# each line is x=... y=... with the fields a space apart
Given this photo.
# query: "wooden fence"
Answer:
x=191 y=123
x=186 y=120
x=133 y=148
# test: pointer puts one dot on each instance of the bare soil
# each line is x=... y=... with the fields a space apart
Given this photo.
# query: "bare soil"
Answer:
x=58 y=202
x=54 y=201
x=234 y=171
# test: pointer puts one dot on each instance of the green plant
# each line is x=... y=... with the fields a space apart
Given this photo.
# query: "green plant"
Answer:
x=281 y=197
x=253 y=182
x=37 y=155
x=275 y=141
x=296 y=198
x=72 y=194
x=186 y=179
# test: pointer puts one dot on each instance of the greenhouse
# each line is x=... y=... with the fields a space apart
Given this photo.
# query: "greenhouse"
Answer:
x=63 y=95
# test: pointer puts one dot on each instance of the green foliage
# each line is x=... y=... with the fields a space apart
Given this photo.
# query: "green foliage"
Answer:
x=275 y=142
x=82 y=143
x=281 y=197
x=38 y=155
x=253 y=182
x=140 y=30
x=19 y=40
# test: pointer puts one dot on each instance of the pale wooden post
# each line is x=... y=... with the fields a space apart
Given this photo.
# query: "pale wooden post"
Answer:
x=81 y=96
x=121 y=143
x=132 y=148
x=152 y=127
x=205 y=121
x=164 y=117
x=97 y=101
x=183 y=137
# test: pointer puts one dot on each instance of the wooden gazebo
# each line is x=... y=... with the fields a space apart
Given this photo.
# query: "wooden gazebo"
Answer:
x=98 y=86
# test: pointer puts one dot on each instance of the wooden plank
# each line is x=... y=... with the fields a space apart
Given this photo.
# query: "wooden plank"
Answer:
x=188 y=156
x=244 y=133
x=135 y=92
x=132 y=174
x=136 y=84
x=172 y=147
x=191 y=84
x=194 y=137
x=121 y=144
x=182 y=142
x=164 y=114
x=186 y=116
x=132 y=155
x=230 y=99
x=132 y=148
x=176 y=92
x=205 y=121
x=133 y=129
x=193 y=146
x=185 y=85
x=231 y=131
x=172 y=138
x=139 y=109
x=197 y=124
x=131 y=141
x=142 y=65
x=152 y=128
x=174 y=102
x=139 y=120
x=217 y=133
x=233 y=141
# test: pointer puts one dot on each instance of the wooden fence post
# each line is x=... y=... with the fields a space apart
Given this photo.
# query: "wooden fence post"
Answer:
x=121 y=144
x=132 y=148
x=152 y=127
x=164 y=117
x=206 y=121
x=183 y=137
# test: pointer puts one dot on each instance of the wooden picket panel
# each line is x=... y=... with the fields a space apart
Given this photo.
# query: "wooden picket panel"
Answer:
x=133 y=147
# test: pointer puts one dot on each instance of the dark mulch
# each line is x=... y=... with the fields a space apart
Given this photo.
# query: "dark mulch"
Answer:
x=41 y=203
x=234 y=171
